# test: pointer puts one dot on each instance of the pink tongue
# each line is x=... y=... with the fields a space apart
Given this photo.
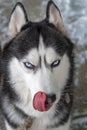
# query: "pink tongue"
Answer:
x=39 y=101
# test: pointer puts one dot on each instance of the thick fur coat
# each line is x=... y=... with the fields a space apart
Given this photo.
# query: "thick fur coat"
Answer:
x=38 y=58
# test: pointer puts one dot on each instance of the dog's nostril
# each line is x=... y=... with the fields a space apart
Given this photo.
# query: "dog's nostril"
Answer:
x=49 y=101
x=50 y=98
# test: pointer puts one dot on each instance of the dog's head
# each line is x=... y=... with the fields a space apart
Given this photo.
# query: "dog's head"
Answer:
x=37 y=57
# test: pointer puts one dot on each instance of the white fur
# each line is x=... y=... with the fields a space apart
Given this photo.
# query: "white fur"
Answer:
x=32 y=57
x=8 y=127
x=38 y=125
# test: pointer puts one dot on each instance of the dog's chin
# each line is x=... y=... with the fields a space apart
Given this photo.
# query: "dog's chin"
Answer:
x=41 y=114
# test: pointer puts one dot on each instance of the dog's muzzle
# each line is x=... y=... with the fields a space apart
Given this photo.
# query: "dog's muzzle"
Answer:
x=43 y=102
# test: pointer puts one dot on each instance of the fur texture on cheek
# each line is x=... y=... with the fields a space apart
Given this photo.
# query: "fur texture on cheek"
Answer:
x=62 y=72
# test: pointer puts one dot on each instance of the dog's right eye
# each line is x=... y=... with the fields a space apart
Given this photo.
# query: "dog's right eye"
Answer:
x=29 y=65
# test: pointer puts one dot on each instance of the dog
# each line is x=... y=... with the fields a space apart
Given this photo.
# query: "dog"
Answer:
x=37 y=71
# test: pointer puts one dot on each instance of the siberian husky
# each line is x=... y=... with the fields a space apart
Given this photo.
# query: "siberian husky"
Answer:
x=37 y=71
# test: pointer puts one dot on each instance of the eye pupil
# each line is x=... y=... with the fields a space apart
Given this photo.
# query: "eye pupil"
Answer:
x=29 y=65
x=55 y=63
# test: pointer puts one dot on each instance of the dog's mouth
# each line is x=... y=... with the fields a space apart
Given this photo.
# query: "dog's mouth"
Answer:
x=43 y=102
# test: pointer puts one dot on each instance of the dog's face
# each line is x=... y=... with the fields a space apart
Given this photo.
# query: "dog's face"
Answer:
x=37 y=56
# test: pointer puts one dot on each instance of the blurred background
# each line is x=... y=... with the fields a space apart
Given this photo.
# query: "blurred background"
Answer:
x=74 y=14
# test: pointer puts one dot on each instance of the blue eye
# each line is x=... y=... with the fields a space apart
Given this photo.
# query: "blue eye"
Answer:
x=29 y=65
x=55 y=63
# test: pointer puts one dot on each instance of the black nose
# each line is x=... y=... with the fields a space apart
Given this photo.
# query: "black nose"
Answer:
x=50 y=98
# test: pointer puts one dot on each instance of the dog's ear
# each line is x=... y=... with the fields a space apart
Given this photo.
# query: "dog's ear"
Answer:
x=17 y=20
x=53 y=16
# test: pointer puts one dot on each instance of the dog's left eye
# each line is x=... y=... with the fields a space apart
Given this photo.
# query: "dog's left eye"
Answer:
x=29 y=65
x=55 y=63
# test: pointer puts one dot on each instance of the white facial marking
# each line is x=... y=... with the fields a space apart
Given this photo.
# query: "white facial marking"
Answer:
x=32 y=57
x=17 y=76
x=42 y=49
x=51 y=55
x=62 y=72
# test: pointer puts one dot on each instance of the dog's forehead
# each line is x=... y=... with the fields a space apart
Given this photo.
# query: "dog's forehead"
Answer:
x=35 y=54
